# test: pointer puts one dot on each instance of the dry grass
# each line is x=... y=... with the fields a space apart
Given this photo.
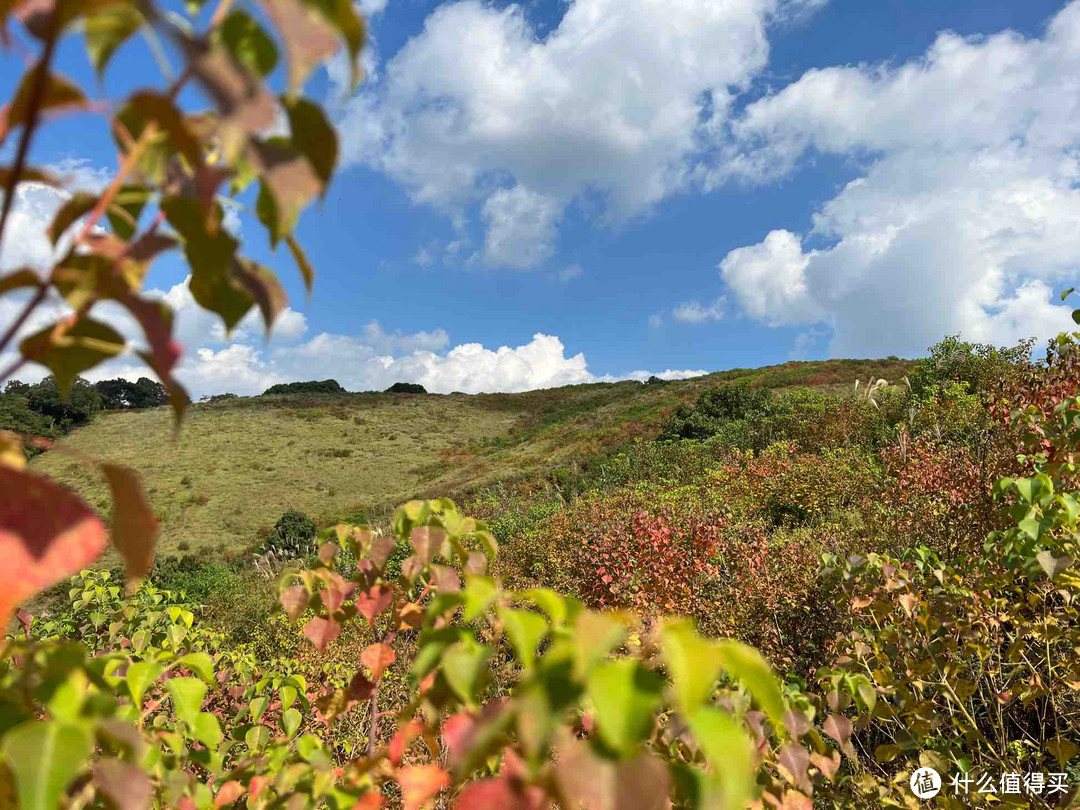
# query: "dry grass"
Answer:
x=238 y=464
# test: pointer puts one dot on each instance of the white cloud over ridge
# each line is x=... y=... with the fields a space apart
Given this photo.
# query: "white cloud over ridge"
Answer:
x=245 y=363
x=477 y=109
x=966 y=217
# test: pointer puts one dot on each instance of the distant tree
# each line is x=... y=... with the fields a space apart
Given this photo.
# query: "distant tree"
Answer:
x=654 y=380
x=406 y=388
x=17 y=388
x=77 y=408
x=120 y=393
x=310 y=387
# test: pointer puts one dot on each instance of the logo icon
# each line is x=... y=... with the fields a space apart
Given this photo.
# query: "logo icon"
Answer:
x=926 y=783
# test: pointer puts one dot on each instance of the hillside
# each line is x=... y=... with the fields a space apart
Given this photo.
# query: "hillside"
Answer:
x=240 y=463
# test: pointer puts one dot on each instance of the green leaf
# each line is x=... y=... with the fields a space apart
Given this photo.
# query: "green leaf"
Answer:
x=596 y=634
x=313 y=136
x=463 y=665
x=560 y=609
x=728 y=751
x=257 y=708
x=80 y=204
x=139 y=677
x=526 y=630
x=625 y=696
x=201 y=664
x=69 y=351
x=301 y=259
x=106 y=30
x=746 y=665
x=58 y=93
x=248 y=43
x=479 y=593
x=287 y=694
x=187 y=696
x=44 y=757
x=694 y=662
x=211 y=258
x=207 y=730
x=257 y=737
x=290 y=721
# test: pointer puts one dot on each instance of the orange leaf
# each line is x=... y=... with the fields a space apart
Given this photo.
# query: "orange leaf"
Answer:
x=419 y=783
x=295 y=600
x=377 y=658
x=229 y=793
x=134 y=527
x=46 y=534
x=374 y=602
x=321 y=632
x=400 y=741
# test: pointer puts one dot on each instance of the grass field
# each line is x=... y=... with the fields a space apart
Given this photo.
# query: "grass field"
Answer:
x=238 y=464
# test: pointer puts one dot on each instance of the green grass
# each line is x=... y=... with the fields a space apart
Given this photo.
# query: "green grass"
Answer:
x=238 y=464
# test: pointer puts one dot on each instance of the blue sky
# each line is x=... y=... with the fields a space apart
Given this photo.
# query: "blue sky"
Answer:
x=558 y=192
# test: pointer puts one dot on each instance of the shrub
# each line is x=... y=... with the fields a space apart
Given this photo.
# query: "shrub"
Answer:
x=714 y=408
x=982 y=366
x=406 y=388
x=310 y=387
x=293 y=536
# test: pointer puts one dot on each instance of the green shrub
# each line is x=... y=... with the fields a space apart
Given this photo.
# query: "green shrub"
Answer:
x=717 y=407
x=293 y=536
x=406 y=388
x=310 y=387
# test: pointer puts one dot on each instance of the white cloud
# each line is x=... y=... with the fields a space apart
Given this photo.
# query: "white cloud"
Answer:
x=695 y=312
x=966 y=217
x=569 y=273
x=656 y=320
x=613 y=102
x=520 y=227
x=642 y=376
x=423 y=257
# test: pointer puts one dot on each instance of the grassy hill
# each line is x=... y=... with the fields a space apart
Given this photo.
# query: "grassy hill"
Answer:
x=240 y=463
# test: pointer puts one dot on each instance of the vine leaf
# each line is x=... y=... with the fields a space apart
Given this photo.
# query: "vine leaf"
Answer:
x=46 y=534
x=248 y=43
x=45 y=757
x=134 y=528
x=321 y=632
x=124 y=784
x=377 y=658
x=419 y=783
x=625 y=696
x=309 y=39
x=70 y=349
x=107 y=30
x=59 y=94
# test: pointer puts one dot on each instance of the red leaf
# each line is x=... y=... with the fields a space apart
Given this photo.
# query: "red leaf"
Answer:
x=321 y=632
x=295 y=600
x=374 y=602
x=377 y=658
x=419 y=783
x=500 y=793
x=399 y=743
x=46 y=534
x=229 y=793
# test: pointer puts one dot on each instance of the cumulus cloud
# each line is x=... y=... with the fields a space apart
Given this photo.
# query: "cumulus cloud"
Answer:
x=966 y=216
x=520 y=227
x=479 y=110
